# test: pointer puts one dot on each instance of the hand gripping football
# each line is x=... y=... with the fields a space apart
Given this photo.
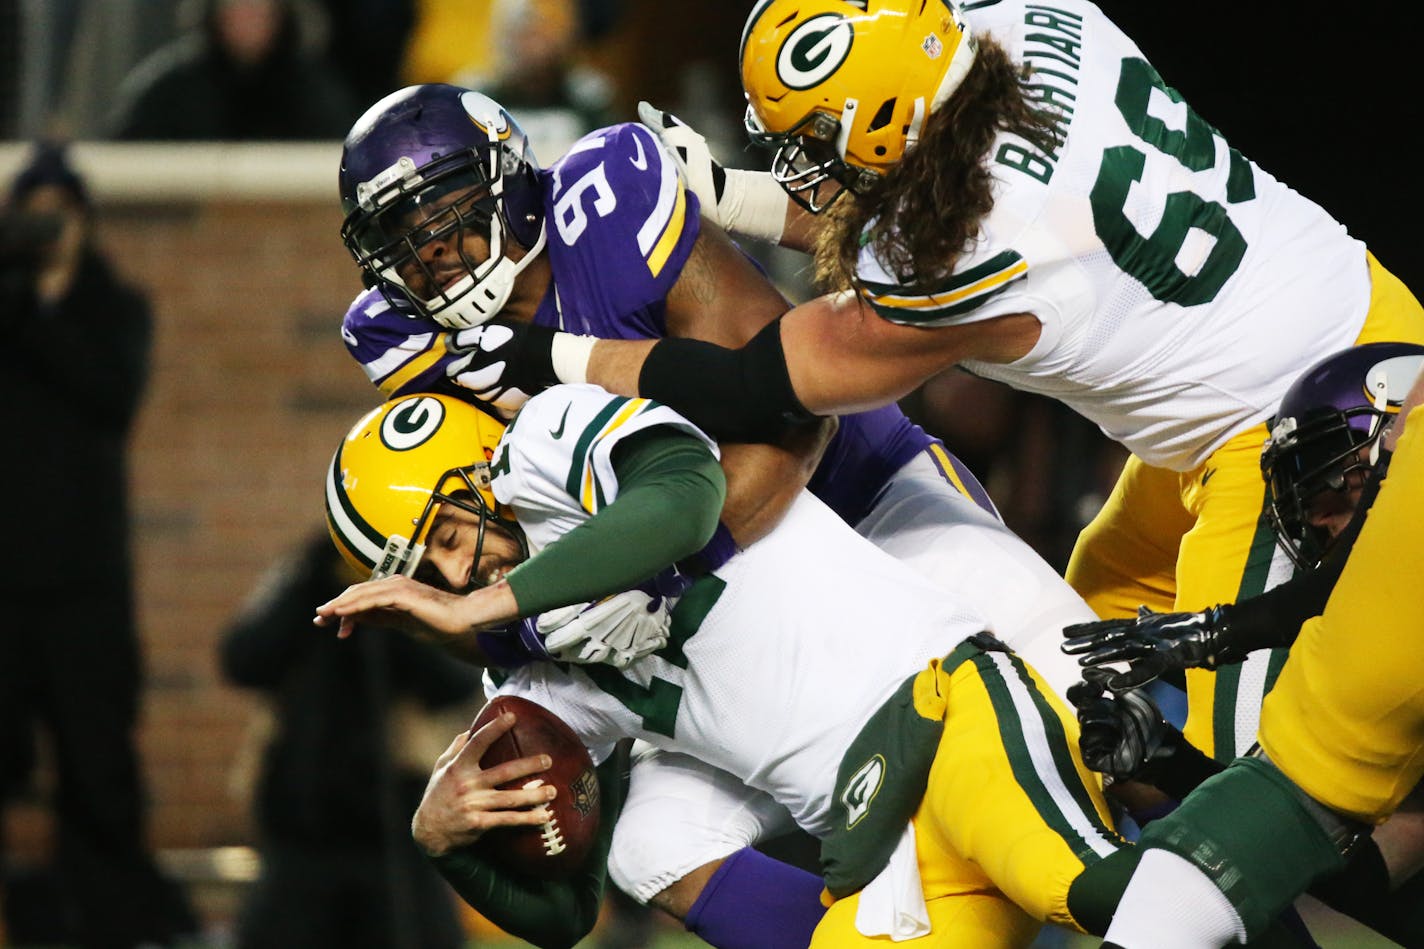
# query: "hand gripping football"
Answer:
x=560 y=847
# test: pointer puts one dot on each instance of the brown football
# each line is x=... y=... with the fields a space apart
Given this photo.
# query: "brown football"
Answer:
x=559 y=848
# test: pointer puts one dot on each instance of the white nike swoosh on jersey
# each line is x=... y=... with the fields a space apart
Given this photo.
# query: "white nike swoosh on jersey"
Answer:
x=641 y=162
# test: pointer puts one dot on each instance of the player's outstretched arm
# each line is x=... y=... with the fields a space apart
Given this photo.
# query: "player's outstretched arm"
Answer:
x=747 y=203
x=671 y=494
x=1152 y=644
x=829 y=356
x=449 y=620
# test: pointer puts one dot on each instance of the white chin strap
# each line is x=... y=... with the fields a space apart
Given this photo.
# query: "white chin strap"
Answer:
x=1382 y=421
x=400 y=557
x=846 y=124
x=917 y=122
x=478 y=301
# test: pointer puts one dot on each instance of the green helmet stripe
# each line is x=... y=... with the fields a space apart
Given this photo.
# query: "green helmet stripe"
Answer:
x=355 y=532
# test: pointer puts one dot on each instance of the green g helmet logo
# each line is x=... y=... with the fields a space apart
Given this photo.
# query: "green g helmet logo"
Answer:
x=861 y=788
x=411 y=423
x=814 y=50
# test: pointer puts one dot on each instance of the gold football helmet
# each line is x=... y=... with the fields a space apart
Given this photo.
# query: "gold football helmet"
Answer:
x=841 y=88
x=394 y=470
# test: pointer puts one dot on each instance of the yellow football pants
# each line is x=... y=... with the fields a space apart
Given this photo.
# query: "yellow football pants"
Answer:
x=1010 y=816
x=1191 y=540
x=1346 y=719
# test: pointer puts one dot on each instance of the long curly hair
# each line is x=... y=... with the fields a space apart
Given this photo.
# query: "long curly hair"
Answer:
x=927 y=208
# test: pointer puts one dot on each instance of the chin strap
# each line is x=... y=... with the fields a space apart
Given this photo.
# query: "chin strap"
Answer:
x=1382 y=421
x=399 y=558
x=482 y=301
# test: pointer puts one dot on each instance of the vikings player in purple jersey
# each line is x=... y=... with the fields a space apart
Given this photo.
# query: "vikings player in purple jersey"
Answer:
x=453 y=222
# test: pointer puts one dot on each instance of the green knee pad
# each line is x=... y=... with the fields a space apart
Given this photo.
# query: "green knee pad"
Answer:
x=1249 y=831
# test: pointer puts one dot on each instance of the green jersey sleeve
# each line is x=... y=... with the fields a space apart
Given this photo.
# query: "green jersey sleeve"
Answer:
x=671 y=489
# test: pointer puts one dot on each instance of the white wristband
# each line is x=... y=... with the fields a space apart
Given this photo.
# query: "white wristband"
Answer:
x=753 y=205
x=570 y=354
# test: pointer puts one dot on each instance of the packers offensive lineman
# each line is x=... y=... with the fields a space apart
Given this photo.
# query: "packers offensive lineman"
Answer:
x=452 y=223
x=792 y=666
x=1023 y=195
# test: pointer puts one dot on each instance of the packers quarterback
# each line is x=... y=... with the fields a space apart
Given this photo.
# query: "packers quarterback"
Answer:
x=811 y=665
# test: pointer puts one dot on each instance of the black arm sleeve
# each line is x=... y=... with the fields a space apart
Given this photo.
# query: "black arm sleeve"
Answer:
x=1274 y=618
x=551 y=914
x=742 y=395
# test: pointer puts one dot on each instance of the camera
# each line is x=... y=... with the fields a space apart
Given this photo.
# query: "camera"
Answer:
x=25 y=240
x=26 y=236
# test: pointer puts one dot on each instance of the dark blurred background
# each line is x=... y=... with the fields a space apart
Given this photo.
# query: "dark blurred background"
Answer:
x=207 y=134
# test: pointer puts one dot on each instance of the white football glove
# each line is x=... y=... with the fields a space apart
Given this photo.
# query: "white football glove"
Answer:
x=615 y=630
x=749 y=203
x=486 y=352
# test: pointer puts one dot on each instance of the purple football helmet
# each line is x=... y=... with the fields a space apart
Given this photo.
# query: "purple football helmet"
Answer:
x=423 y=168
x=1328 y=426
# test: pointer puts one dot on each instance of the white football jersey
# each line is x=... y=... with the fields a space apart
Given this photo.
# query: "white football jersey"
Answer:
x=774 y=662
x=1180 y=288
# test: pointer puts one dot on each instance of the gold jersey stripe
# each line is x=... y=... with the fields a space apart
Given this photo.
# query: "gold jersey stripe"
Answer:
x=414 y=366
x=662 y=250
x=588 y=498
x=984 y=285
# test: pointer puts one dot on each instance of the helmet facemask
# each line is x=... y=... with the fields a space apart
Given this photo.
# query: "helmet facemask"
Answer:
x=465 y=488
x=405 y=209
x=1327 y=438
x=1306 y=457
x=810 y=157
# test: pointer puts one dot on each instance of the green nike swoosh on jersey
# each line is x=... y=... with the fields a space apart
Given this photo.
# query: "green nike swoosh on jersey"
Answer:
x=558 y=433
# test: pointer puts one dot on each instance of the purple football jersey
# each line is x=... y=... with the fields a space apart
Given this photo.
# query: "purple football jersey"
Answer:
x=620 y=227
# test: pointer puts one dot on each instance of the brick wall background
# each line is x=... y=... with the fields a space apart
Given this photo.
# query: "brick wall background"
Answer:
x=250 y=392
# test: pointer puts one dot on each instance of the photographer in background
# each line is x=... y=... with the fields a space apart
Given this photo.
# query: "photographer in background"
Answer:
x=352 y=727
x=78 y=343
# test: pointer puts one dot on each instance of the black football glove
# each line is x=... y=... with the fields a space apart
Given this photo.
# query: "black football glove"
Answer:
x=1151 y=644
x=1121 y=733
x=502 y=362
